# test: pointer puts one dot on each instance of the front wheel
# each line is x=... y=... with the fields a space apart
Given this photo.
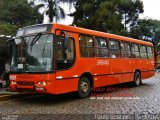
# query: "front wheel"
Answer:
x=137 y=79
x=84 y=87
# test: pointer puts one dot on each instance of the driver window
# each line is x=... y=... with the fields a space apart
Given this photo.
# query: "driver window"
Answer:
x=65 y=57
x=70 y=50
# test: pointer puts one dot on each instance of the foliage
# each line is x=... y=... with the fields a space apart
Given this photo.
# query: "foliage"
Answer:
x=53 y=9
x=15 y=14
x=130 y=10
x=8 y=29
x=145 y=29
x=97 y=15
x=19 y=12
x=107 y=15
x=148 y=30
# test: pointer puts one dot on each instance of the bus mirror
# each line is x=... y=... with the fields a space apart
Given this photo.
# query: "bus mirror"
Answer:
x=66 y=42
x=63 y=33
x=18 y=40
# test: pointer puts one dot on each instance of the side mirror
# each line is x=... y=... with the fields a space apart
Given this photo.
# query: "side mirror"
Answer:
x=63 y=33
x=66 y=42
x=18 y=40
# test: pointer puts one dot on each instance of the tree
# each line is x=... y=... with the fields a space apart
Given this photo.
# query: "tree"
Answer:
x=7 y=29
x=15 y=14
x=145 y=29
x=53 y=9
x=130 y=10
x=107 y=15
x=19 y=12
x=98 y=15
x=148 y=30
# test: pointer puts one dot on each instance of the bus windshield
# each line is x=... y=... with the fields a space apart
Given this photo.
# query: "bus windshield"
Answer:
x=33 y=54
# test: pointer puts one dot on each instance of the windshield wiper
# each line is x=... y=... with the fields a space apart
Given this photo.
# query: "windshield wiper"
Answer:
x=35 y=39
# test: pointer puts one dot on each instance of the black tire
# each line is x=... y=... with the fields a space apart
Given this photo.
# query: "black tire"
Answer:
x=137 y=79
x=84 y=87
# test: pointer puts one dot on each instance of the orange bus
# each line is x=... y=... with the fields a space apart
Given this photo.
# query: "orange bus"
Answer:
x=56 y=59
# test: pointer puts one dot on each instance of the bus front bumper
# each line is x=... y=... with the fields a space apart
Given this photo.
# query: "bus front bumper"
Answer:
x=47 y=88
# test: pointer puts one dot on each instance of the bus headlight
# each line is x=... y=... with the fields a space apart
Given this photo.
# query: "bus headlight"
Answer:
x=44 y=83
x=39 y=83
x=13 y=83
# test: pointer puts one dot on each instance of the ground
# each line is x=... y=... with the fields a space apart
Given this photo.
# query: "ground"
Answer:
x=113 y=100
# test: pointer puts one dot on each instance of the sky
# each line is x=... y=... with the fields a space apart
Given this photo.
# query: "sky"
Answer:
x=151 y=10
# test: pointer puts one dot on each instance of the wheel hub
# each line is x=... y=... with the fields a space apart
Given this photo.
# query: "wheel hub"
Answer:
x=84 y=87
x=137 y=79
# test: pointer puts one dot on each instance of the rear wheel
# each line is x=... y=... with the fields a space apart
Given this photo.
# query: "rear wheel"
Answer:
x=137 y=79
x=84 y=87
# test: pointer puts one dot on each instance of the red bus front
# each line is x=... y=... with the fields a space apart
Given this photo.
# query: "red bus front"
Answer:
x=41 y=83
x=39 y=59
x=32 y=67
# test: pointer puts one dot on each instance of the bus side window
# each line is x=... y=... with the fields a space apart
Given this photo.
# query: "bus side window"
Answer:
x=114 y=49
x=101 y=47
x=143 y=52
x=149 y=52
x=125 y=50
x=86 y=46
x=65 y=58
x=135 y=51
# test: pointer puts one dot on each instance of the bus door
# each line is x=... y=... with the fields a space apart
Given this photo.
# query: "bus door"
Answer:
x=66 y=68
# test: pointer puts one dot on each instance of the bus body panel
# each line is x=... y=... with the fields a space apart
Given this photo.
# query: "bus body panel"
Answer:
x=66 y=85
x=126 y=70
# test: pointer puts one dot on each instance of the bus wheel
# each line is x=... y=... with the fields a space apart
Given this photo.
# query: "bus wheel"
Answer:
x=84 y=87
x=137 y=79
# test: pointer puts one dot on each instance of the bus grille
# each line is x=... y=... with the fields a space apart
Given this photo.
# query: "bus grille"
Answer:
x=25 y=83
x=25 y=90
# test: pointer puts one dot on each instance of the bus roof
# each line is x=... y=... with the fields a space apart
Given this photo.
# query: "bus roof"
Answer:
x=75 y=29
x=98 y=33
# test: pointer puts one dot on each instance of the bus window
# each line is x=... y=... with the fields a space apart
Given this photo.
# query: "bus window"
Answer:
x=135 y=51
x=65 y=57
x=114 y=49
x=143 y=51
x=125 y=50
x=86 y=46
x=101 y=47
x=149 y=51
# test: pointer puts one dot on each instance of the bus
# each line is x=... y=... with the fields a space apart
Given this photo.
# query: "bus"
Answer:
x=56 y=59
